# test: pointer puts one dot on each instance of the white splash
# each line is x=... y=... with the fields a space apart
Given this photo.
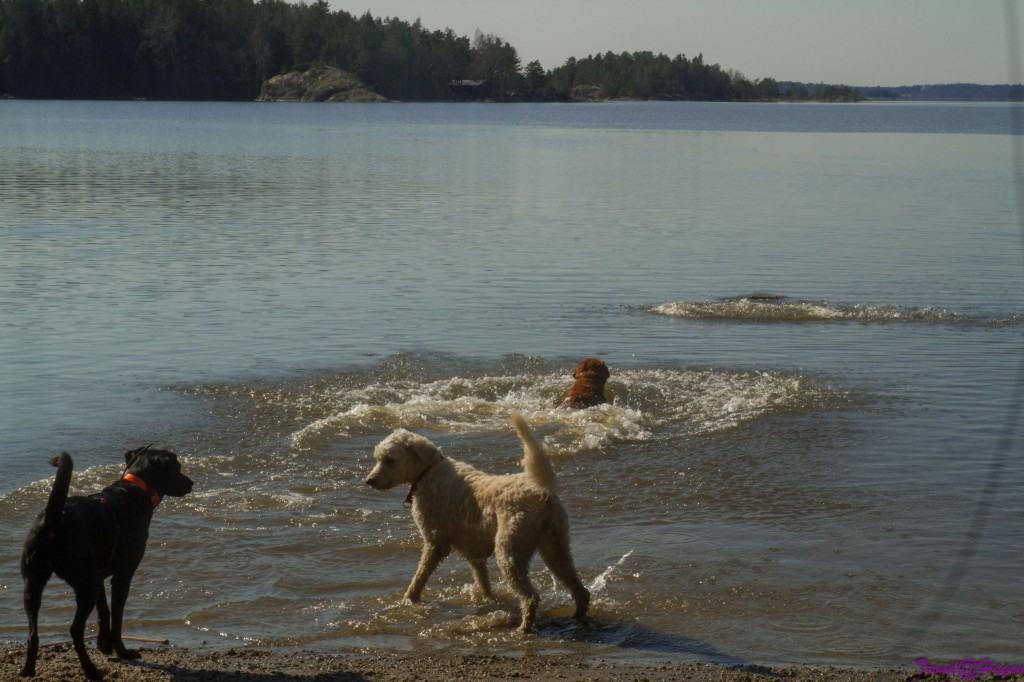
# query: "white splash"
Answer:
x=752 y=309
x=474 y=404
x=599 y=583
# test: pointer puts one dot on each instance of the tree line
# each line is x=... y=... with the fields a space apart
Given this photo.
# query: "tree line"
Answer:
x=947 y=91
x=645 y=75
x=225 y=49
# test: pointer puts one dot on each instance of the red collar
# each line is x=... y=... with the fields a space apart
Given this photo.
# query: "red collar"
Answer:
x=154 y=496
x=416 y=483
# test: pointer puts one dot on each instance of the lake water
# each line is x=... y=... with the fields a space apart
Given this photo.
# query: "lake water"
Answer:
x=832 y=477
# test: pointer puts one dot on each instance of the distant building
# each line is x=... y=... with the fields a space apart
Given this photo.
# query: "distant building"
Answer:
x=470 y=88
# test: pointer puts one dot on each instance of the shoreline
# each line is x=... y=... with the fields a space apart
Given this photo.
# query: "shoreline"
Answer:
x=58 y=663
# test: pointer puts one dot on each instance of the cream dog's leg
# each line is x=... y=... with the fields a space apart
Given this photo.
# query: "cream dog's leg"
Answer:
x=514 y=564
x=431 y=558
x=483 y=581
x=555 y=552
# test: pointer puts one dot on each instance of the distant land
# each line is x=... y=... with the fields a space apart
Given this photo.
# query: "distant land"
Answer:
x=193 y=50
x=950 y=91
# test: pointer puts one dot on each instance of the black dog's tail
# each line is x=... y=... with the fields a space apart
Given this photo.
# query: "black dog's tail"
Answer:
x=59 y=492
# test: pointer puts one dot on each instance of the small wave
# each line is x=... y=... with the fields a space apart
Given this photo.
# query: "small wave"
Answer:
x=708 y=400
x=690 y=401
x=473 y=404
x=755 y=310
x=780 y=309
x=466 y=407
x=31 y=498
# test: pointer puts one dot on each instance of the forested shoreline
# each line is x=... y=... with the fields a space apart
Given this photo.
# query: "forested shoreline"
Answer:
x=223 y=50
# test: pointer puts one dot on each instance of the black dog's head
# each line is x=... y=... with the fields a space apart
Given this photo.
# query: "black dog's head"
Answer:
x=160 y=469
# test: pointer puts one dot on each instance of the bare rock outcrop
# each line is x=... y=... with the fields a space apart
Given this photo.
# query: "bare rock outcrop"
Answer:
x=586 y=93
x=319 y=84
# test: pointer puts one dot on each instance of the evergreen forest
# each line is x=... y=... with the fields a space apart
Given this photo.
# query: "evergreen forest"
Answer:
x=223 y=50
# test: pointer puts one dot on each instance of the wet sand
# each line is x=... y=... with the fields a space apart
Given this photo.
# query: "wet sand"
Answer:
x=168 y=664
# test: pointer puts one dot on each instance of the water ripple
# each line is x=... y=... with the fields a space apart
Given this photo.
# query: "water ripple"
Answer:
x=772 y=308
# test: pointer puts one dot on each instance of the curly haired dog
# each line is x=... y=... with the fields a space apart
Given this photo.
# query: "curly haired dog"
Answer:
x=458 y=507
x=588 y=389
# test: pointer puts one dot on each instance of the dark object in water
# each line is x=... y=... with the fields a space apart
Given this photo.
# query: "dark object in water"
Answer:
x=588 y=388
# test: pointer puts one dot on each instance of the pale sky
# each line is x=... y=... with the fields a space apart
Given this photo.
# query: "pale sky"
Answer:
x=853 y=42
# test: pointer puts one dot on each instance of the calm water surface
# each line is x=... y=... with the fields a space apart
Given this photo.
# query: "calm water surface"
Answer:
x=828 y=478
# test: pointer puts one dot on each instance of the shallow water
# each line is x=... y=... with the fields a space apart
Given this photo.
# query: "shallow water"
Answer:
x=823 y=477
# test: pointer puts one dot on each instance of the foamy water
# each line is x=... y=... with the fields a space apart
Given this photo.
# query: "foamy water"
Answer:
x=779 y=309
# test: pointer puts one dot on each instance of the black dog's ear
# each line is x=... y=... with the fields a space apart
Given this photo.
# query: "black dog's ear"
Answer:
x=132 y=454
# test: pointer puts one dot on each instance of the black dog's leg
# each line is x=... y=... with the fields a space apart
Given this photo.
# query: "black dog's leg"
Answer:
x=119 y=586
x=33 y=598
x=103 y=618
x=85 y=600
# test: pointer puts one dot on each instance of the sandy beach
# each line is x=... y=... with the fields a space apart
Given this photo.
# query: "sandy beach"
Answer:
x=163 y=664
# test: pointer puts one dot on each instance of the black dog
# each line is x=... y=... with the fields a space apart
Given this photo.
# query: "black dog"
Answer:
x=84 y=540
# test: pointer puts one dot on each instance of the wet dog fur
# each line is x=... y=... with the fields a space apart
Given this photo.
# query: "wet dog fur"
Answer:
x=588 y=388
x=460 y=508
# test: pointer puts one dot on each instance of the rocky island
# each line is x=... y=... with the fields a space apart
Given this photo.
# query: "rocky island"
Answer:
x=319 y=84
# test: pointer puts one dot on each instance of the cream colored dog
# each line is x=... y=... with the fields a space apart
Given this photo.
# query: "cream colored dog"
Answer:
x=458 y=507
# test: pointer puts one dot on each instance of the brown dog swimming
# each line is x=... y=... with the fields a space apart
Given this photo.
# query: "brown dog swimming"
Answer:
x=588 y=389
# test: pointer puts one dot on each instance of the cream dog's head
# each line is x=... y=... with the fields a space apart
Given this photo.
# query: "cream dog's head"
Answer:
x=401 y=458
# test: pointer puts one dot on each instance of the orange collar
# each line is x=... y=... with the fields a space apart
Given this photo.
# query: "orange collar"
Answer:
x=154 y=496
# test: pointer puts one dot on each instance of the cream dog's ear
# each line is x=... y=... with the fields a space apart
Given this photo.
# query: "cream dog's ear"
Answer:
x=424 y=450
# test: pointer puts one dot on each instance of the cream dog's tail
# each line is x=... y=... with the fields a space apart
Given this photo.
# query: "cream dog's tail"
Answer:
x=536 y=461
